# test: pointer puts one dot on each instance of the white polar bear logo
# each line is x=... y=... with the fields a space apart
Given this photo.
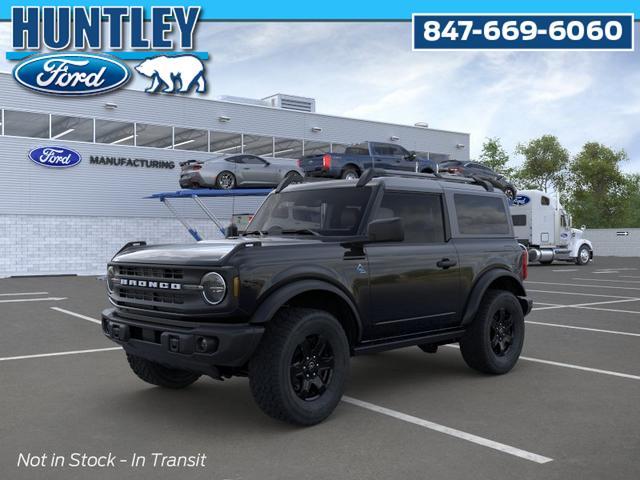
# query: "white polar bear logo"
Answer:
x=173 y=74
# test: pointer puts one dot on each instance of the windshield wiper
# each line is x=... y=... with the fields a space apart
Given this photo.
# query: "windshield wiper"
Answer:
x=301 y=231
x=255 y=232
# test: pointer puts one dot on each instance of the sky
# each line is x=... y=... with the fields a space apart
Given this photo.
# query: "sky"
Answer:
x=367 y=70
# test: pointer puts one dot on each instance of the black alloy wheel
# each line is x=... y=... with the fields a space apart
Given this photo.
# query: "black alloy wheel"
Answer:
x=501 y=332
x=312 y=367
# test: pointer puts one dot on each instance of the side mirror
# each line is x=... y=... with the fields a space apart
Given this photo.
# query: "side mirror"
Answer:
x=266 y=164
x=385 y=230
x=411 y=157
x=583 y=228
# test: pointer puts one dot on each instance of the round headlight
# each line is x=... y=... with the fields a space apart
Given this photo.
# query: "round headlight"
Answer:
x=214 y=288
x=111 y=273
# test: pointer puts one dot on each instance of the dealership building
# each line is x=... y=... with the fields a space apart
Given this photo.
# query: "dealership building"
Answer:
x=72 y=220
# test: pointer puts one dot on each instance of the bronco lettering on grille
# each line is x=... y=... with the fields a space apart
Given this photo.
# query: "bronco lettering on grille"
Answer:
x=149 y=284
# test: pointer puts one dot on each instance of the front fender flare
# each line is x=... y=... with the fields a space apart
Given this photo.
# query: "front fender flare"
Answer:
x=481 y=286
x=275 y=300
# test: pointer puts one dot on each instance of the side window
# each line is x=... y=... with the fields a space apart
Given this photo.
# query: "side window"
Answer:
x=398 y=151
x=421 y=215
x=481 y=215
x=545 y=201
x=519 y=220
x=251 y=160
x=234 y=160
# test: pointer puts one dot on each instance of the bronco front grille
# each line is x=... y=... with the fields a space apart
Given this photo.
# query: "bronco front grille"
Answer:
x=150 y=272
x=151 y=295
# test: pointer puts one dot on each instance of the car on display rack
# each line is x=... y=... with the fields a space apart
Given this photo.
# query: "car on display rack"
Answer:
x=543 y=226
x=357 y=158
x=242 y=170
x=476 y=169
x=325 y=271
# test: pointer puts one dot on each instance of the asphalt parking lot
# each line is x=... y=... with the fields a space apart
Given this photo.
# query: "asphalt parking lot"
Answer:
x=569 y=409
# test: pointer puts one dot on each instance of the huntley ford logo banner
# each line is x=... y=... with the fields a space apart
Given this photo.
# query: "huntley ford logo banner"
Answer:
x=96 y=65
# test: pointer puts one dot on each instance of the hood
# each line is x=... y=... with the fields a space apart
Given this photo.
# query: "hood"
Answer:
x=201 y=253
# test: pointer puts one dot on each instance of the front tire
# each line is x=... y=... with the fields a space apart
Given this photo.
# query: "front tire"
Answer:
x=225 y=180
x=584 y=255
x=299 y=370
x=157 y=374
x=493 y=341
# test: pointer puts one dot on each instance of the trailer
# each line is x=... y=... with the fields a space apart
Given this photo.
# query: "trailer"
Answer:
x=544 y=227
x=197 y=194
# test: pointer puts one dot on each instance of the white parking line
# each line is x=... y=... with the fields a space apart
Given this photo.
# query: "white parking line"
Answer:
x=584 y=305
x=78 y=315
x=533 y=457
x=589 y=286
x=570 y=365
x=47 y=299
x=578 y=294
x=22 y=293
x=567 y=270
x=57 y=354
x=586 y=329
x=611 y=310
x=605 y=280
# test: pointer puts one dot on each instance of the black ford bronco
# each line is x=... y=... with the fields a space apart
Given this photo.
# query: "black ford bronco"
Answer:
x=326 y=271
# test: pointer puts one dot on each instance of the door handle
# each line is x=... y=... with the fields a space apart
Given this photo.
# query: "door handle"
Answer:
x=446 y=263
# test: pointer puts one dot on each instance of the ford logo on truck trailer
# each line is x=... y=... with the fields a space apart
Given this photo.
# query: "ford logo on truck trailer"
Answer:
x=71 y=74
x=55 y=157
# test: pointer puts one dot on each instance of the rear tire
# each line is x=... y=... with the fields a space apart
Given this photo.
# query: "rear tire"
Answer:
x=493 y=341
x=225 y=180
x=350 y=173
x=156 y=374
x=299 y=370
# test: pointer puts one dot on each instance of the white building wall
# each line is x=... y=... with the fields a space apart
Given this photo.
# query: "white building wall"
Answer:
x=607 y=242
x=52 y=244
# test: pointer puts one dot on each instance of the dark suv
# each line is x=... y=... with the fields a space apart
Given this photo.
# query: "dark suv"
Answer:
x=325 y=271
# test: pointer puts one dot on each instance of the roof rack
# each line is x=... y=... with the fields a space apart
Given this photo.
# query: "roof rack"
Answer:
x=371 y=173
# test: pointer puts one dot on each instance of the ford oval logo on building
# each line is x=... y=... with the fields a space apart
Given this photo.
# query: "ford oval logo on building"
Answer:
x=71 y=74
x=55 y=157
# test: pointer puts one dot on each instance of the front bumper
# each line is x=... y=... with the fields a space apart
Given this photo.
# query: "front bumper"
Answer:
x=195 y=347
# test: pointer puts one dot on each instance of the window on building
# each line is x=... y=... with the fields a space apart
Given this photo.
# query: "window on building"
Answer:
x=316 y=148
x=338 y=147
x=71 y=128
x=26 y=124
x=157 y=136
x=287 y=148
x=114 y=133
x=481 y=215
x=421 y=215
x=191 y=139
x=225 y=143
x=258 y=145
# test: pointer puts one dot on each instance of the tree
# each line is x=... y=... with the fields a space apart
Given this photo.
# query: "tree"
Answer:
x=600 y=194
x=495 y=157
x=545 y=163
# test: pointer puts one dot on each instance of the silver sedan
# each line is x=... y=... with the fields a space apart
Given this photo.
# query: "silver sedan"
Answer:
x=242 y=170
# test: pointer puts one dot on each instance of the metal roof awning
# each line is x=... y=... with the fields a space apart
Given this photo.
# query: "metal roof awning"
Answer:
x=198 y=193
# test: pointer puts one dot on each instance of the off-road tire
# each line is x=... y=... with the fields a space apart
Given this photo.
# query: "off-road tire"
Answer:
x=476 y=346
x=156 y=374
x=349 y=172
x=579 y=260
x=270 y=369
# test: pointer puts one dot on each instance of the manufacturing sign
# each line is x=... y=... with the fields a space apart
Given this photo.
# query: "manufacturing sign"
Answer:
x=55 y=157
x=130 y=162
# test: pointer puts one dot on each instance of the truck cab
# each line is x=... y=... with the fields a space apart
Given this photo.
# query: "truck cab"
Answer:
x=545 y=228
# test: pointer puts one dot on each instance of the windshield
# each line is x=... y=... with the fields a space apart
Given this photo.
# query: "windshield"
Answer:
x=326 y=212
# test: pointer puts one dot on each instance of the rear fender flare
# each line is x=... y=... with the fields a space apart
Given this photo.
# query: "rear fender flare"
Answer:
x=482 y=285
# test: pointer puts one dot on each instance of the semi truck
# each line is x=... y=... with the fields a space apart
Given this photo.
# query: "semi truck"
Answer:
x=544 y=227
